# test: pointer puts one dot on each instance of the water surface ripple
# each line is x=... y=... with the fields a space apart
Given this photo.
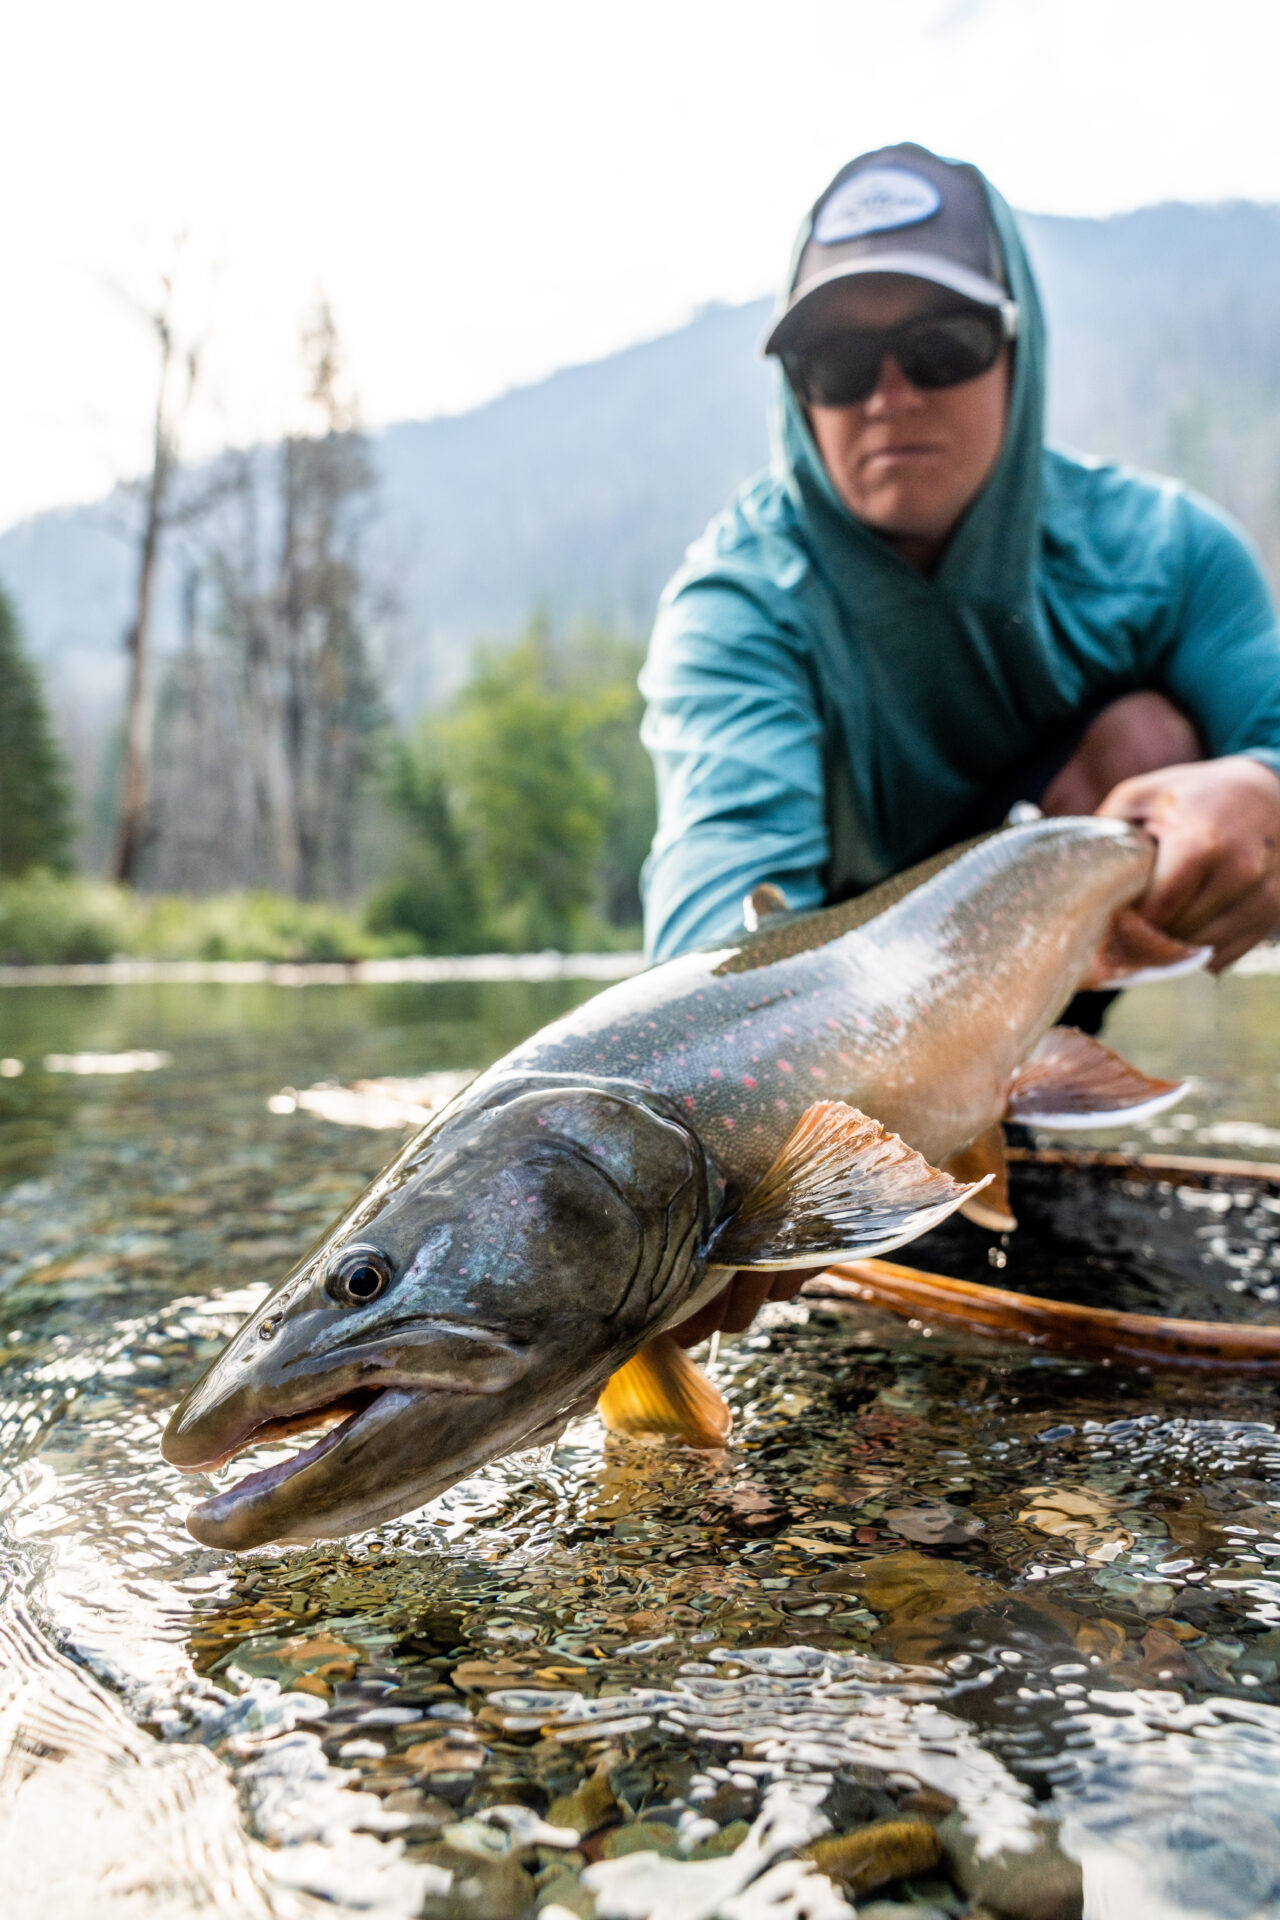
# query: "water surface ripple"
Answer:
x=950 y=1624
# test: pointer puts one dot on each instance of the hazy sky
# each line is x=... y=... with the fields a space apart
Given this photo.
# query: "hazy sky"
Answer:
x=488 y=189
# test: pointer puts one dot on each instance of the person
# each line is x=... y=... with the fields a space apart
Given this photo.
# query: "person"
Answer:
x=920 y=614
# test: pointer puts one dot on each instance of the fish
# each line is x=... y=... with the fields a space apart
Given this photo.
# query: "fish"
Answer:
x=823 y=1088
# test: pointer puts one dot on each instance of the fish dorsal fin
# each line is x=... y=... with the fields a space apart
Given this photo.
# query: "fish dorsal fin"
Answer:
x=990 y=1207
x=840 y=1187
x=762 y=903
x=662 y=1394
x=1072 y=1082
x=1134 y=953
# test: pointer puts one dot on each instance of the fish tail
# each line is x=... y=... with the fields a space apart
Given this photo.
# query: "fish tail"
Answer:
x=662 y=1394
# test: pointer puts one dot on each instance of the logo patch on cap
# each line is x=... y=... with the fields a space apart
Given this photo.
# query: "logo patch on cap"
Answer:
x=874 y=201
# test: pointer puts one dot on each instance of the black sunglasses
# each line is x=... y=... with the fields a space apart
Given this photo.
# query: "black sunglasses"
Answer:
x=938 y=350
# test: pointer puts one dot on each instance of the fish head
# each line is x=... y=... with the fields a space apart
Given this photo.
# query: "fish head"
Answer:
x=475 y=1297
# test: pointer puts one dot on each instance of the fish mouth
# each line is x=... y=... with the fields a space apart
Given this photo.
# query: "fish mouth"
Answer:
x=340 y=1417
x=398 y=1449
x=401 y=1427
x=256 y=1508
x=334 y=1412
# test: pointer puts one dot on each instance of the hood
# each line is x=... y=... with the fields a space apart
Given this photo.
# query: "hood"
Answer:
x=941 y=684
x=991 y=559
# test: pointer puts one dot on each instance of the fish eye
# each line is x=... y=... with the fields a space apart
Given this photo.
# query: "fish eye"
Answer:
x=358 y=1275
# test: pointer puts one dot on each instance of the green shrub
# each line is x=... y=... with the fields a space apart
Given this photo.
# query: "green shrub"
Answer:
x=249 y=926
x=529 y=805
x=48 y=919
x=51 y=919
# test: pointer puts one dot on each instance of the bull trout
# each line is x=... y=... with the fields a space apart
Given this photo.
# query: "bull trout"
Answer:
x=822 y=1088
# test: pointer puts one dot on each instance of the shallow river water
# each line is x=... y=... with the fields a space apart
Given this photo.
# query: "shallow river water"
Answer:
x=951 y=1626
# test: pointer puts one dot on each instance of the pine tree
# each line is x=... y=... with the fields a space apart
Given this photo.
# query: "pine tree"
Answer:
x=35 y=798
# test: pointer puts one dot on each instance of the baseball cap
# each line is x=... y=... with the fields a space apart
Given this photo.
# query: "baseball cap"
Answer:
x=898 y=210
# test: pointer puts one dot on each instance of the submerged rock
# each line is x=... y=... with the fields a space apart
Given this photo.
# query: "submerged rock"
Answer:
x=641 y=1836
x=1034 y=1883
x=901 y=1910
x=497 y=1889
x=873 y=1856
x=587 y=1808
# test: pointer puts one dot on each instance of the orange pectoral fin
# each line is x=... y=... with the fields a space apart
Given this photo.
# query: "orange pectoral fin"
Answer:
x=661 y=1394
x=841 y=1188
x=985 y=1156
x=1072 y=1081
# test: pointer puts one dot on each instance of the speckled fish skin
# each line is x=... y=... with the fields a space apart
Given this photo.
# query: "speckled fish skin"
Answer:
x=558 y=1214
x=914 y=1003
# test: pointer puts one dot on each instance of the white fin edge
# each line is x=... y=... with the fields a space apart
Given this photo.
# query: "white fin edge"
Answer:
x=1091 y=1122
x=1194 y=962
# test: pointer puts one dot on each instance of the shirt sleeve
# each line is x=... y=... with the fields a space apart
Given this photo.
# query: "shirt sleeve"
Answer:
x=733 y=726
x=1222 y=663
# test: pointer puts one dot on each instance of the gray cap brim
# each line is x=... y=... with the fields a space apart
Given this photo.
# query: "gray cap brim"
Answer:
x=789 y=329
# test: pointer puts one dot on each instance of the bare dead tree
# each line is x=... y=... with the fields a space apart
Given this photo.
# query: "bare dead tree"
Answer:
x=331 y=703
x=249 y=628
x=135 y=786
x=284 y=650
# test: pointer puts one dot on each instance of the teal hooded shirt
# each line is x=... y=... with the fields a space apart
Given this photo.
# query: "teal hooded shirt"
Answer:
x=821 y=715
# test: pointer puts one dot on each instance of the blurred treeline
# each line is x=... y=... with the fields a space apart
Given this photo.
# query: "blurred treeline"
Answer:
x=526 y=810
x=263 y=801
x=517 y=819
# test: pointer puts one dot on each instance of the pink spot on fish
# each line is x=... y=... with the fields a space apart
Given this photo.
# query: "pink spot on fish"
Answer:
x=747 y=1081
x=689 y=1101
x=726 y=1122
x=784 y=1066
x=716 y=1074
x=818 y=1073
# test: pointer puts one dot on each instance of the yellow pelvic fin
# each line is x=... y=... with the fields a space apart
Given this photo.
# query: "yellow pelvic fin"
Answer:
x=990 y=1208
x=661 y=1393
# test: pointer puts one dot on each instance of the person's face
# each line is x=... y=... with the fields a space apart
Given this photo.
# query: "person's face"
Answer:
x=909 y=460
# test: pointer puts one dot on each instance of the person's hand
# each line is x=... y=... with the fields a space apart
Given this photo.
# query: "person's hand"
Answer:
x=1216 y=824
x=733 y=1310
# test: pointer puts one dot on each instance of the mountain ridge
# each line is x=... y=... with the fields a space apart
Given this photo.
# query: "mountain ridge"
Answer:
x=577 y=495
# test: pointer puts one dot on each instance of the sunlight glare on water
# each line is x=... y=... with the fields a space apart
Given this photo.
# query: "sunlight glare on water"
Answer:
x=949 y=1624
